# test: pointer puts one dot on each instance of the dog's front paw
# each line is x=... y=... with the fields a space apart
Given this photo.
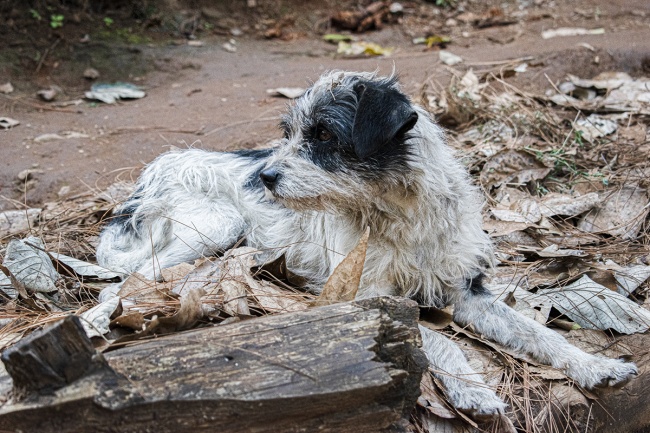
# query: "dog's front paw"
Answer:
x=479 y=402
x=602 y=372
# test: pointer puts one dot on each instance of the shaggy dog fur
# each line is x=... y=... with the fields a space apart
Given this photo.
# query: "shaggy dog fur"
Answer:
x=356 y=153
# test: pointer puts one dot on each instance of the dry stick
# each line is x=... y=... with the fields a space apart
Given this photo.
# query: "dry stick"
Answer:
x=39 y=106
x=47 y=51
x=242 y=122
x=127 y=129
x=501 y=62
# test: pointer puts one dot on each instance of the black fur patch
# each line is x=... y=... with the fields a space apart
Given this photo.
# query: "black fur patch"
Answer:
x=475 y=286
x=369 y=129
x=123 y=216
x=384 y=117
x=255 y=155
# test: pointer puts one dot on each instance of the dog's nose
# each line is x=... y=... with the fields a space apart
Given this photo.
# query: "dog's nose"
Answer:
x=269 y=176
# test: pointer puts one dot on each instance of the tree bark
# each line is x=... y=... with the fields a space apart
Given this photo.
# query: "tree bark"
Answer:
x=352 y=367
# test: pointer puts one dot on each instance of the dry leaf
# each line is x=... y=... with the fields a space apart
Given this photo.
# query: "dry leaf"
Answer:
x=603 y=81
x=469 y=88
x=277 y=269
x=206 y=273
x=620 y=214
x=6 y=88
x=176 y=273
x=631 y=278
x=132 y=320
x=435 y=318
x=6 y=286
x=109 y=291
x=431 y=423
x=343 y=284
x=235 y=301
x=359 y=49
x=136 y=289
x=563 y=204
x=449 y=58
x=110 y=93
x=190 y=312
x=515 y=216
x=30 y=265
x=96 y=320
x=595 y=126
x=13 y=222
x=432 y=400
x=7 y=339
x=554 y=251
x=529 y=304
x=85 y=269
x=593 y=306
x=607 y=92
x=8 y=122
x=502 y=228
x=272 y=299
x=570 y=31
x=512 y=166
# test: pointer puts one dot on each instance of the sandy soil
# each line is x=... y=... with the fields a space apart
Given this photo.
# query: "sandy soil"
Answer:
x=209 y=98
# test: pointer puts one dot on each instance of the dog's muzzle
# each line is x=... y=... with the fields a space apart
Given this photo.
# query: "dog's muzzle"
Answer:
x=270 y=177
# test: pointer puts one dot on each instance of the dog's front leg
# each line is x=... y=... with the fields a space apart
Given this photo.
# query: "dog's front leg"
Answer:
x=500 y=323
x=465 y=389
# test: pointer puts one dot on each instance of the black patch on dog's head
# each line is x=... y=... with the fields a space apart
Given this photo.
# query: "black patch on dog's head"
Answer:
x=383 y=119
x=254 y=154
x=358 y=125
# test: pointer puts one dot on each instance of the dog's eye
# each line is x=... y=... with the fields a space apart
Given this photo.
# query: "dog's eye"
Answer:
x=323 y=134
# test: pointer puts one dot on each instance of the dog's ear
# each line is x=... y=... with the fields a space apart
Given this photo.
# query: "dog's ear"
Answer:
x=383 y=114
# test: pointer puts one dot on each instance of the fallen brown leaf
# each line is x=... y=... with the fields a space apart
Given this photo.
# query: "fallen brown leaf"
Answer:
x=139 y=290
x=235 y=301
x=343 y=284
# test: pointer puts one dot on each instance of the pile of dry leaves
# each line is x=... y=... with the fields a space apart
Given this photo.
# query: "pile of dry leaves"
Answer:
x=566 y=180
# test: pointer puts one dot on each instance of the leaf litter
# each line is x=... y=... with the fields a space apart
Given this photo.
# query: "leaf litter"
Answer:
x=566 y=206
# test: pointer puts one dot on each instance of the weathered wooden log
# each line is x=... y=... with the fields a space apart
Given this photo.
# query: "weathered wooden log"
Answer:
x=51 y=358
x=352 y=367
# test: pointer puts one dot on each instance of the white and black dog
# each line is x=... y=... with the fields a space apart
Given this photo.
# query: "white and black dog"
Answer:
x=356 y=153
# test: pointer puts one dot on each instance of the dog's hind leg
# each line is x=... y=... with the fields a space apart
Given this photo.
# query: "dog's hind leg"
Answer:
x=500 y=323
x=196 y=230
x=464 y=388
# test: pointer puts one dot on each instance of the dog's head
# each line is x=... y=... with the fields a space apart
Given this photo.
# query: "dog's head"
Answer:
x=344 y=139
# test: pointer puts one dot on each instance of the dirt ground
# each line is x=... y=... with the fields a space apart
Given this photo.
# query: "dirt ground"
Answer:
x=207 y=97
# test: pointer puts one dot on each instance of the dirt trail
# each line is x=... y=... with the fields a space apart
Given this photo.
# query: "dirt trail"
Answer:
x=209 y=98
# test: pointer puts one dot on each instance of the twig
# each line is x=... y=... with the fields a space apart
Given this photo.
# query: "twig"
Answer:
x=501 y=62
x=47 y=51
x=242 y=122
x=40 y=106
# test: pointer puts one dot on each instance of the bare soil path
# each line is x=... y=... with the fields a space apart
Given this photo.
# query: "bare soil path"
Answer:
x=209 y=98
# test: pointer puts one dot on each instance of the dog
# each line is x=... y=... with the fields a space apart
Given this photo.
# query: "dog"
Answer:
x=356 y=153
